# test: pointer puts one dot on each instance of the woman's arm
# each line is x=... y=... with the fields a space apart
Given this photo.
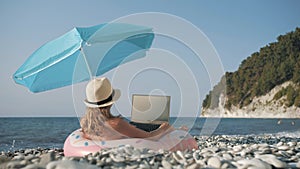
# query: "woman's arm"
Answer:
x=129 y=130
x=163 y=129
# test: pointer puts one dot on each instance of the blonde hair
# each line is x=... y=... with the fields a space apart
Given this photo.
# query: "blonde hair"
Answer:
x=93 y=122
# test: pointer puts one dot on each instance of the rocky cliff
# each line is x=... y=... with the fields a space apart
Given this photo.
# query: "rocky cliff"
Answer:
x=266 y=84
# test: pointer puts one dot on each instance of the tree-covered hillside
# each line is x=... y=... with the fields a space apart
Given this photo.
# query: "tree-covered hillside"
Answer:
x=273 y=65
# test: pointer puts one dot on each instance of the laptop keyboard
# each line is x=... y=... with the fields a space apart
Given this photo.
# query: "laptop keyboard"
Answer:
x=145 y=127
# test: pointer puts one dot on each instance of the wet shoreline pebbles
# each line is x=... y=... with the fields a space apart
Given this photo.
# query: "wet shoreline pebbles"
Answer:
x=251 y=152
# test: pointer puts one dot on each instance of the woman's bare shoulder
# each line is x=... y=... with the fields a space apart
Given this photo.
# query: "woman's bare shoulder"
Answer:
x=115 y=121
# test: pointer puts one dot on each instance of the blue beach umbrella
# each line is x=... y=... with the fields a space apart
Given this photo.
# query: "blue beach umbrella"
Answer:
x=82 y=54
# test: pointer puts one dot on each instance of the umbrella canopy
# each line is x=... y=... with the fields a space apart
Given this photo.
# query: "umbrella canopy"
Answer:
x=82 y=54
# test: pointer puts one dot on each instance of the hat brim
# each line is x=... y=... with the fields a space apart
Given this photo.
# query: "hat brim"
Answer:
x=117 y=94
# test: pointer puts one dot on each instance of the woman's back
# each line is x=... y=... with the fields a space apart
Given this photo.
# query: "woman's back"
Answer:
x=99 y=124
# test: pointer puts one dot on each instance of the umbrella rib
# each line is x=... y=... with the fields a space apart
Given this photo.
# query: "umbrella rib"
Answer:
x=86 y=62
x=36 y=71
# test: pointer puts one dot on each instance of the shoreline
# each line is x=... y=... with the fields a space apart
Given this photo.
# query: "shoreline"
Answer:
x=218 y=151
x=241 y=117
x=206 y=116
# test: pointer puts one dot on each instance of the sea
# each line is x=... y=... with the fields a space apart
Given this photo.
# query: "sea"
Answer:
x=51 y=132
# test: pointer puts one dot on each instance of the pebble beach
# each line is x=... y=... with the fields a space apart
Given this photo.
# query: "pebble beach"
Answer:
x=220 y=151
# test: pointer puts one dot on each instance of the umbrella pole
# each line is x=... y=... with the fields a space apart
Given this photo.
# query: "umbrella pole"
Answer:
x=86 y=62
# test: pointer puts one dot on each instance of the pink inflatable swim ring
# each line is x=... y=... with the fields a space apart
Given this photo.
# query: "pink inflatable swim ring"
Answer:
x=77 y=145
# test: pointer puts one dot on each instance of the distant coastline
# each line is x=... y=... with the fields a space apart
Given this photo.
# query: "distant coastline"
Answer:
x=260 y=107
x=266 y=84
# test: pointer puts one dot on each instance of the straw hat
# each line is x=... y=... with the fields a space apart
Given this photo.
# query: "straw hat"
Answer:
x=99 y=93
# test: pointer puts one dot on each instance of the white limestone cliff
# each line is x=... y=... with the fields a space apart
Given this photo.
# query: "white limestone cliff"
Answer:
x=260 y=107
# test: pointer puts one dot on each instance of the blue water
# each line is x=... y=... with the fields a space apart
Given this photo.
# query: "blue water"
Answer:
x=21 y=133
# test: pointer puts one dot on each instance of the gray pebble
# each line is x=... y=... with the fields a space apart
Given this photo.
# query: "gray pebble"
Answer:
x=245 y=163
x=32 y=166
x=69 y=165
x=214 y=162
x=3 y=158
x=284 y=154
x=279 y=144
x=243 y=153
x=19 y=157
x=290 y=152
x=254 y=146
x=188 y=155
x=23 y=162
x=46 y=158
x=271 y=159
x=108 y=160
x=131 y=167
x=266 y=150
x=225 y=165
x=166 y=164
x=298 y=164
x=193 y=166
x=292 y=144
x=178 y=156
x=35 y=161
x=283 y=147
x=227 y=156
x=237 y=148
x=173 y=161
x=117 y=158
x=263 y=145
x=291 y=165
x=143 y=166
x=30 y=157
x=14 y=164
x=28 y=151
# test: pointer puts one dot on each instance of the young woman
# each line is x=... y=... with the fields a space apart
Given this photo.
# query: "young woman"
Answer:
x=99 y=124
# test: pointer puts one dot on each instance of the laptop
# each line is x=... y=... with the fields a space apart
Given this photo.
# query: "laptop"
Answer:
x=148 y=112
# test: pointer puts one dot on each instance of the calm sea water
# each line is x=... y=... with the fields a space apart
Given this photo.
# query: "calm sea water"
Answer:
x=21 y=133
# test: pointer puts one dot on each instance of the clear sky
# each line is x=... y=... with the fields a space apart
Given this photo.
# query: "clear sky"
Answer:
x=235 y=28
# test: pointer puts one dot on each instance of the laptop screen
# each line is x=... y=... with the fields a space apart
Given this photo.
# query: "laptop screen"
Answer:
x=150 y=108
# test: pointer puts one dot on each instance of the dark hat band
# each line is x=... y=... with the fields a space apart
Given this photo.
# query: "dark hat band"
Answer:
x=109 y=99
